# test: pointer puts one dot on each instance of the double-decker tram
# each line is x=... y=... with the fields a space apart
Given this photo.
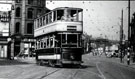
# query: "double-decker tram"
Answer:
x=58 y=35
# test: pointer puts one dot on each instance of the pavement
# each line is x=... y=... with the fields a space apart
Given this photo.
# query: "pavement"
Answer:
x=17 y=61
x=124 y=62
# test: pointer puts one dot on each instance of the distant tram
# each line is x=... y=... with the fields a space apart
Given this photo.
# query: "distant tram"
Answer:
x=58 y=36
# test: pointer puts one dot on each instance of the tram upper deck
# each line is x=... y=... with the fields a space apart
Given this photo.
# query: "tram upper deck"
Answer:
x=59 y=19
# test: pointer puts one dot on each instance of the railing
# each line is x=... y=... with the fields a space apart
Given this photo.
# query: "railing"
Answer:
x=57 y=15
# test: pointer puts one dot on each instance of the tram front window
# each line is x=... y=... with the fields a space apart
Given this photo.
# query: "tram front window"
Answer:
x=72 y=15
x=71 y=39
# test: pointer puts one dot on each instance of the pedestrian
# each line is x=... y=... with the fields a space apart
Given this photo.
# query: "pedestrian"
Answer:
x=128 y=56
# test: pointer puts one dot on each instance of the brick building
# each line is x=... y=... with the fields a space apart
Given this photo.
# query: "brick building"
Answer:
x=21 y=24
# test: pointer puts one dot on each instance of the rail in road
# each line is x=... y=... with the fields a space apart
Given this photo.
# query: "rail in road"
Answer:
x=47 y=74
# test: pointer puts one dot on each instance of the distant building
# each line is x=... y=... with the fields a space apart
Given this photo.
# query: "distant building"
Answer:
x=21 y=25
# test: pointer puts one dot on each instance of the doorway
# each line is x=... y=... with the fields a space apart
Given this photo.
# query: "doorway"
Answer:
x=16 y=48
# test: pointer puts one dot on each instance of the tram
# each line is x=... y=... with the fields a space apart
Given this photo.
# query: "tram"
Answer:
x=58 y=35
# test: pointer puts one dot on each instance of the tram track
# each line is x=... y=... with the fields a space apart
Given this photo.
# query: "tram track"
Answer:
x=48 y=74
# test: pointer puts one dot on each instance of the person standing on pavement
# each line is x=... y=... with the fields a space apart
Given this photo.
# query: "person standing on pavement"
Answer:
x=128 y=56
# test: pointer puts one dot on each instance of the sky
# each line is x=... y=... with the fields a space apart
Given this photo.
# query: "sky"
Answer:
x=101 y=18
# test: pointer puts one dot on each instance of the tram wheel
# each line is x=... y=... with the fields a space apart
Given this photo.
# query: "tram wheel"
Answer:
x=52 y=63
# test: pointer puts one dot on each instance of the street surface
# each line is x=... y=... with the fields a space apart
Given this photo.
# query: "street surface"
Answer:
x=94 y=67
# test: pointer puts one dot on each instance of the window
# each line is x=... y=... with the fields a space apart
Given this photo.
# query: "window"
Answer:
x=58 y=40
x=17 y=1
x=29 y=28
x=49 y=17
x=17 y=27
x=44 y=22
x=51 y=42
x=30 y=13
x=71 y=15
x=18 y=12
x=71 y=38
x=54 y=16
x=79 y=40
x=30 y=1
x=47 y=42
x=44 y=44
x=60 y=13
x=39 y=11
x=63 y=38
x=39 y=2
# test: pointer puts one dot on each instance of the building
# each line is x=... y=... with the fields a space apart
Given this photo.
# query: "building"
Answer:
x=132 y=40
x=4 y=33
x=21 y=28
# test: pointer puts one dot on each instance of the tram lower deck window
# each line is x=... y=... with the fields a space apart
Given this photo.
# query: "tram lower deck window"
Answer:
x=63 y=38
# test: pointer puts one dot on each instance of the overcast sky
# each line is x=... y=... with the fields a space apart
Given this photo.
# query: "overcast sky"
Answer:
x=100 y=17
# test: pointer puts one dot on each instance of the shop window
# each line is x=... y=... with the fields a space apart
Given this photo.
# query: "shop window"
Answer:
x=30 y=13
x=18 y=12
x=17 y=27
x=29 y=28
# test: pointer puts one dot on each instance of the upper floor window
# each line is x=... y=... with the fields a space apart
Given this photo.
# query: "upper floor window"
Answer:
x=18 y=12
x=17 y=1
x=29 y=28
x=17 y=27
x=30 y=13
x=30 y=1
x=39 y=2
x=39 y=11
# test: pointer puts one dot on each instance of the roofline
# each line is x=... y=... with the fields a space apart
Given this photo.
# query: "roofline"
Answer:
x=67 y=7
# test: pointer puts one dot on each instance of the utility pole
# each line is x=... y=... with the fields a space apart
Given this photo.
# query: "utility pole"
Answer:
x=129 y=33
x=121 y=37
x=129 y=23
